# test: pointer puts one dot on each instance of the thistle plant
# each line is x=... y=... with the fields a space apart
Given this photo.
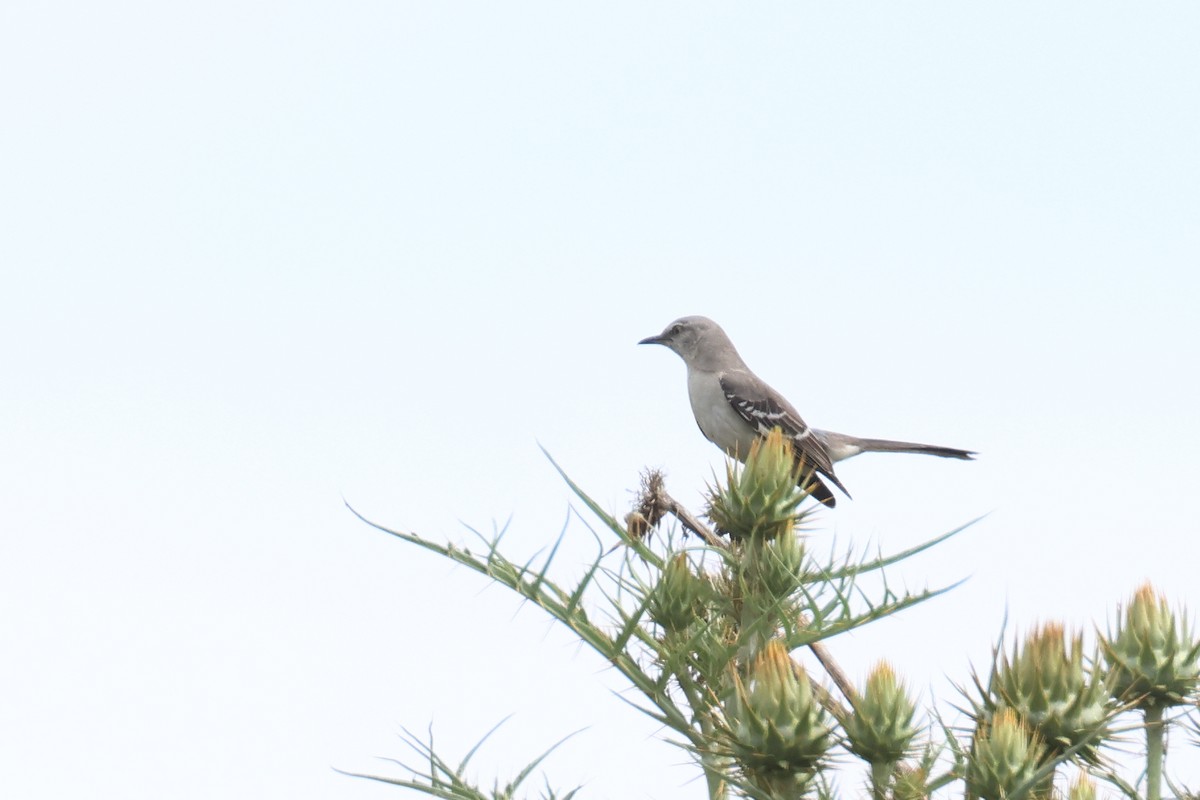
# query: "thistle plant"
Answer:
x=1082 y=788
x=1006 y=758
x=1154 y=663
x=773 y=568
x=677 y=602
x=1153 y=659
x=726 y=635
x=760 y=501
x=775 y=728
x=1055 y=691
x=880 y=728
x=908 y=782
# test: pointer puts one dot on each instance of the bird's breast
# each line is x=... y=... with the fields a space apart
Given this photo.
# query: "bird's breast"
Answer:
x=719 y=423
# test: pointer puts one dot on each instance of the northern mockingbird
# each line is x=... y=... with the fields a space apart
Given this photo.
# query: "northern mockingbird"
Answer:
x=733 y=407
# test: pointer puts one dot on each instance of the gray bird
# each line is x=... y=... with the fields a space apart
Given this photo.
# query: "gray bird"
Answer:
x=733 y=407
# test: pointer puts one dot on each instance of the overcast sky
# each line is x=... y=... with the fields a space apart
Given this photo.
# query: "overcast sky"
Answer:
x=258 y=258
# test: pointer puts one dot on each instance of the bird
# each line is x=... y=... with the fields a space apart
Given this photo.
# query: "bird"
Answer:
x=734 y=407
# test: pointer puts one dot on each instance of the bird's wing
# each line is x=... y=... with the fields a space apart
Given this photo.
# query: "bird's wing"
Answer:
x=764 y=408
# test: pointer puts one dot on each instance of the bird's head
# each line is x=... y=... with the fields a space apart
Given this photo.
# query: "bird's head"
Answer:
x=694 y=338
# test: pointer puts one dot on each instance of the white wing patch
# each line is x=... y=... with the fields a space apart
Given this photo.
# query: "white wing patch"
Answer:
x=765 y=416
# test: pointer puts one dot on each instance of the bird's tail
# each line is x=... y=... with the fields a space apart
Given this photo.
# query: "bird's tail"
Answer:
x=841 y=446
x=888 y=446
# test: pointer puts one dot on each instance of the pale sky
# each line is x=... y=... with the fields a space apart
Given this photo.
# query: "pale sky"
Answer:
x=261 y=257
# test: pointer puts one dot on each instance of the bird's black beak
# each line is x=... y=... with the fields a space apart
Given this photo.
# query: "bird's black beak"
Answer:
x=659 y=339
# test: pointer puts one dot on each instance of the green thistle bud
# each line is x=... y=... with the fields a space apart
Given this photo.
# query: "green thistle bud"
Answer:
x=1048 y=685
x=714 y=646
x=775 y=566
x=677 y=600
x=1082 y=788
x=760 y=499
x=1004 y=757
x=778 y=731
x=880 y=728
x=910 y=783
x=1152 y=658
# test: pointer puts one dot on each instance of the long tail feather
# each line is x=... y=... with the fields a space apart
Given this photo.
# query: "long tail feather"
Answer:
x=842 y=446
x=888 y=446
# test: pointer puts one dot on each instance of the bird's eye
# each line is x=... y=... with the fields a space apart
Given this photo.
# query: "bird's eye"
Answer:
x=675 y=329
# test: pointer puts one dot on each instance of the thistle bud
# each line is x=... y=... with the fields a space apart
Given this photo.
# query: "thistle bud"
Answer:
x=778 y=731
x=713 y=646
x=910 y=783
x=1152 y=658
x=677 y=599
x=1082 y=788
x=760 y=499
x=880 y=728
x=1004 y=757
x=775 y=566
x=1047 y=684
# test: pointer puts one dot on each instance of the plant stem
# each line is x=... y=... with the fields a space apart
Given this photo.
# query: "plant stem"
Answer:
x=714 y=774
x=1154 y=750
x=834 y=671
x=715 y=780
x=881 y=776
